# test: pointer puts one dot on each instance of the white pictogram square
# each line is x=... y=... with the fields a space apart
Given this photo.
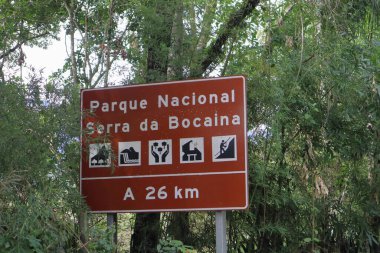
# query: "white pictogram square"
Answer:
x=224 y=148
x=100 y=155
x=129 y=153
x=191 y=150
x=160 y=152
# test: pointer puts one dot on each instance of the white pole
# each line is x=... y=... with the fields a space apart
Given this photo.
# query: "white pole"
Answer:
x=221 y=231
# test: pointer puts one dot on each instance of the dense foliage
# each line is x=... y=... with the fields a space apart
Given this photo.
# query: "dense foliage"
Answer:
x=312 y=71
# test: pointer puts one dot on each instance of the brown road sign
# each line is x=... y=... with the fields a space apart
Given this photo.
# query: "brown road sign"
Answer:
x=173 y=146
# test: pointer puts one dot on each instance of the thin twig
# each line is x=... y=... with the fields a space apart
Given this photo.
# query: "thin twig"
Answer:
x=302 y=45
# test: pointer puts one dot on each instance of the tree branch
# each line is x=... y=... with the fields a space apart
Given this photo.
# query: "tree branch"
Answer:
x=235 y=21
x=8 y=52
x=20 y=43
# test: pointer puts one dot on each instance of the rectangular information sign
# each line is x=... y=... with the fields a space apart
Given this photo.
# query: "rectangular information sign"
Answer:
x=173 y=146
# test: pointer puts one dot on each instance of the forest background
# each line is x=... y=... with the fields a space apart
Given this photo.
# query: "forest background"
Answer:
x=312 y=69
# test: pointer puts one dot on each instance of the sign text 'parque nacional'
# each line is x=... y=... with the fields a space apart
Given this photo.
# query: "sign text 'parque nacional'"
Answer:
x=174 y=146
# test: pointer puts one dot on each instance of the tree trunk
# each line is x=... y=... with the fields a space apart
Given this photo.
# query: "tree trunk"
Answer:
x=178 y=227
x=146 y=231
x=2 y=77
x=70 y=10
x=82 y=216
x=107 y=34
x=204 y=36
x=175 y=61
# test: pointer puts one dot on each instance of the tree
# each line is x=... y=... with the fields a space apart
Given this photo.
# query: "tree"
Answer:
x=157 y=42
x=26 y=22
x=169 y=37
x=312 y=149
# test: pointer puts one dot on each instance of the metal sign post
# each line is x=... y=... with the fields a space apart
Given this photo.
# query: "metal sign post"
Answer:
x=221 y=231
